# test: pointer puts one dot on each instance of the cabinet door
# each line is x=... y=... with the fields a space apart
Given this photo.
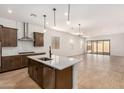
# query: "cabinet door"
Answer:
x=0 y=47
x=40 y=74
x=9 y=37
x=35 y=71
x=32 y=69
x=48 y=78
x=16 y=62
x=6 y=63
x=38 y=39
x=11 y=63
x=24 y=60
x=0 y=33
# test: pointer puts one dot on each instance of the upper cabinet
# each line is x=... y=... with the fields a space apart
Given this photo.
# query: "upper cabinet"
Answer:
x=38 y=39
x=0 y=32
x=8 y=36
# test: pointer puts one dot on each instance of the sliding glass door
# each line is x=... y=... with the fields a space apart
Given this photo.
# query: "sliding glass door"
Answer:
x=94 y=47
x=89 y=47
x=98 y=47
x=106 y=47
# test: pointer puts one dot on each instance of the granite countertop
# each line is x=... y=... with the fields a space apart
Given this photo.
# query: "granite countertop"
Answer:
x=57 y=62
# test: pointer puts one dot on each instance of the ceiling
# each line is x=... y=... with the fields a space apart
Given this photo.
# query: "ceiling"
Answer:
x=95 y=19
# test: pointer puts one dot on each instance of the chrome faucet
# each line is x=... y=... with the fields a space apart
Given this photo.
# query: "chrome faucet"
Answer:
x=50 y=52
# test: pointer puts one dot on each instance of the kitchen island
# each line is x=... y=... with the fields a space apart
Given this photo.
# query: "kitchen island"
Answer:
x=56 y=72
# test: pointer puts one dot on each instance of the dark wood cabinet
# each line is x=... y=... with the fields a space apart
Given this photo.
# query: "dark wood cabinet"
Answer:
x=50 y=78
x=35 y=71
x=32 y=69
x=40 y=74
x=15 y=62
x=64 y=78
x=1 y=32
x=24 y=60
x=0 y=69
x=38 y=39
x=8 y=36
x=11 y=63
x=43 y=75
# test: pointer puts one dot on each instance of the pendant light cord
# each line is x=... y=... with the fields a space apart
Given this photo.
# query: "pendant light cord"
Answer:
x=54 y=9
x=79 y=29
x=44 y=21
x=68 y=12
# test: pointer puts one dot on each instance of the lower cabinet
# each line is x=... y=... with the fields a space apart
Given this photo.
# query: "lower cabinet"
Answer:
x=32 y=69
x=11 y=63
x=0 y=69
x=49 y=78
x=24 y=60
x=35 y=71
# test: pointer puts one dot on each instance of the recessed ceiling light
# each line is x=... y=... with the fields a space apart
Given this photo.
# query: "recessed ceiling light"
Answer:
x=9 y=11
x=66 y=14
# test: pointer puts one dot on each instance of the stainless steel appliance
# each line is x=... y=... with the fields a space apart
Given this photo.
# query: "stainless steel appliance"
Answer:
x=25 y=34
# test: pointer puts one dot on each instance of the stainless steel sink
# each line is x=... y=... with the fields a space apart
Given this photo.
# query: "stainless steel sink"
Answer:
x=45 y=59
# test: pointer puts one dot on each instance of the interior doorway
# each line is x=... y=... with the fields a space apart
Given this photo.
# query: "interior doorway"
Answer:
x=98 y=47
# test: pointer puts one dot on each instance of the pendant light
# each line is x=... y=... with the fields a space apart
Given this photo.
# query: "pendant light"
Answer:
x=79 y=29
x=44 y=23
x=68 y=20
x=54 y=11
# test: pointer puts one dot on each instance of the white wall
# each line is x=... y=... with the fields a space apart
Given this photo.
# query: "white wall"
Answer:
x=117 y=43
x=65 y=46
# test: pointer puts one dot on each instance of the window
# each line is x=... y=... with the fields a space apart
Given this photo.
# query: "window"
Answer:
x=106 y=47
x=89 y=47
x=94 y=47
x=98 y=47
x=55 y=42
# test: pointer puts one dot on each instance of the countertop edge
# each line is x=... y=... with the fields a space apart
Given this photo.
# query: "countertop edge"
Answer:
x=30 y=57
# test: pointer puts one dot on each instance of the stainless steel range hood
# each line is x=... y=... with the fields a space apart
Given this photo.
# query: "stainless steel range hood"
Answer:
x=25 y=33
